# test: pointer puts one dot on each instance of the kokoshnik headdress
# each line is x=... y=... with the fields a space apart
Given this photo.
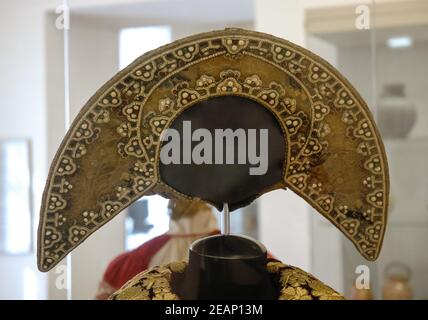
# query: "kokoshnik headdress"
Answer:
x=323 y=142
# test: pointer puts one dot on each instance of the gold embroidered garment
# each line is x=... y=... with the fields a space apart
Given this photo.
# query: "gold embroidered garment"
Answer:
x=294 y=284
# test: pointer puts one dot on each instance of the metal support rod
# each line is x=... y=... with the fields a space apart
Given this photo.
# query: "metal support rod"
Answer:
x=225 y=220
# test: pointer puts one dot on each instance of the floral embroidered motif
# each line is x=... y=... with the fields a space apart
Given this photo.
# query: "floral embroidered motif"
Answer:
x=155 y=284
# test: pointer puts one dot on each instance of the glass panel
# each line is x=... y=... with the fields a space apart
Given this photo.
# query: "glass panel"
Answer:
x=346 y=43
x=105 y=38
x=387 y=64
x=401 y=69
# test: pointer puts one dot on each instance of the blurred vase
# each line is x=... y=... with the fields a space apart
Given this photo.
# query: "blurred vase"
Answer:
x=397 y=286
x=361 y=294
x=396 y=114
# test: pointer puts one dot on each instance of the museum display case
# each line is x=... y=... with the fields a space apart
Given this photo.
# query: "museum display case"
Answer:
x=133 y=137
x=347 y=69
x=386 y=65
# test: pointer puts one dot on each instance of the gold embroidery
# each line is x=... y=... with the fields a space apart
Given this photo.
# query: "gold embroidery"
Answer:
x=154 y=284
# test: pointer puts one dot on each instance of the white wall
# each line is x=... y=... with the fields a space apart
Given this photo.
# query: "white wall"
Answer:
x=22 y=108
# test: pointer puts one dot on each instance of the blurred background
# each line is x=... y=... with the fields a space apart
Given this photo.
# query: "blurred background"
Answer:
x=381 y=46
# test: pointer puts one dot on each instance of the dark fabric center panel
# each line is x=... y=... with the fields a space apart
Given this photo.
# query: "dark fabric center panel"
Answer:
x=230 y=183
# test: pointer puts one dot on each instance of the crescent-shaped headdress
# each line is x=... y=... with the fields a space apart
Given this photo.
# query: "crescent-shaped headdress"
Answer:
x=329 y=151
